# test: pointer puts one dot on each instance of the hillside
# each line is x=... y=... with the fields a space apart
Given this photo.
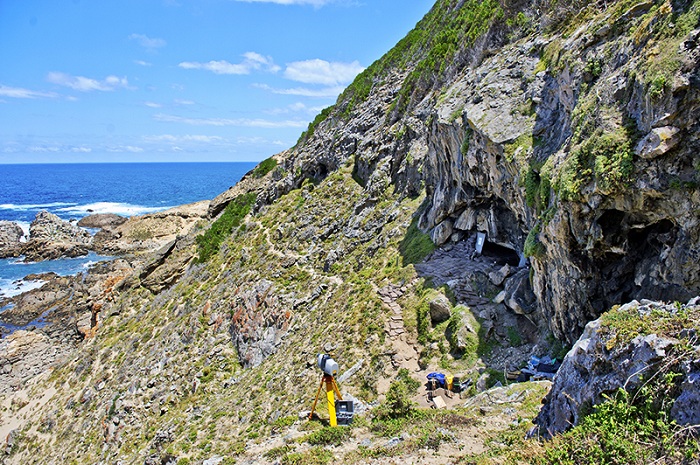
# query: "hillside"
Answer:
x=566 y=133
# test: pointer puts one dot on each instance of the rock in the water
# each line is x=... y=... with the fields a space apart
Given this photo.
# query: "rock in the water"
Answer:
x=50 y=238
x=10 y=236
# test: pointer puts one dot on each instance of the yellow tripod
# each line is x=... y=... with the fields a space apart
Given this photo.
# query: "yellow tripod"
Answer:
x=331 y=388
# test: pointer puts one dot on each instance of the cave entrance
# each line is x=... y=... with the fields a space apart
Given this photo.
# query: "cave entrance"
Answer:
x=501 y=254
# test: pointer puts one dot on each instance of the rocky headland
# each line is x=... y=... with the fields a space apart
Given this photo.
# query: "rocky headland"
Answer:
x=483 y=196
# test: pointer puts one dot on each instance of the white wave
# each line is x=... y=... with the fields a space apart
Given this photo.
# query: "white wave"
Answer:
x=25 y=227
x=122 y=209
x=33 y=206
x=12 y=288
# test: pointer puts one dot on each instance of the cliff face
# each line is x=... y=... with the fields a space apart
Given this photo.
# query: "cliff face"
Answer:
x=568 y=134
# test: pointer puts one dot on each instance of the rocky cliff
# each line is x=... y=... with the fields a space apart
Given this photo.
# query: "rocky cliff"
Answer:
x=567 y=134
x=564 y=133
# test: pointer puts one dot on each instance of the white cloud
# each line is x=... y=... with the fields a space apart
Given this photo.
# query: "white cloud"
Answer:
x=124 y=148
x=82 y=149
x=18 y=92
x=186 y=138
x=251 y=123
x=148 y=42
x=322 y=72
x=316 y=3
x=297 y=107
x=153 y=105
x=251 y=62
x=183 y=102
x=43 y=149
x=326 y=92
x=83 y=84
x=143 y=63
x=258 y=141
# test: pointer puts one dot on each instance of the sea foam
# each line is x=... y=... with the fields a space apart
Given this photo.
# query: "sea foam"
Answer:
x=122 y=209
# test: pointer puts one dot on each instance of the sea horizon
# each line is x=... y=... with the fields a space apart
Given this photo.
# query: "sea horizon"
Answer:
x=75 y=190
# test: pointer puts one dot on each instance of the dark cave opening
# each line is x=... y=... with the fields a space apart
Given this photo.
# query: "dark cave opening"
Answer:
x=501 y=254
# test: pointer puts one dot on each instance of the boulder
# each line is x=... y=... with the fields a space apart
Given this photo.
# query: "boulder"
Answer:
x=442 y=232
x=658 y=142
x=50 y=228
x=102 y=221
x=10 y=239
x=51 y=238
x=440 y=309
x=519 y=295
x=597 y=366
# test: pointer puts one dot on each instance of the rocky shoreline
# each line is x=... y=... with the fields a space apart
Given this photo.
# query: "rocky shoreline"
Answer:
x=42 y=325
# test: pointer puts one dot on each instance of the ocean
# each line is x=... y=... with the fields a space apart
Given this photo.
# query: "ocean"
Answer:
x=73 y=191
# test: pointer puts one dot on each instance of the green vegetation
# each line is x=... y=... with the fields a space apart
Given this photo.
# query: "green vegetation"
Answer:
x=328 y=436
x=624 y=324
x=398 y=403
x=628 y=429
x=264 y=167
x=208 y=243
x=533 y=247
x=416 y=245
x=605 y=158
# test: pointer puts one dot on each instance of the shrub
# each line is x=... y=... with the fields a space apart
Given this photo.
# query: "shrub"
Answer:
x=398 y=403
x=533 y=247
x=328 y=436
x=208 y=243
x=264 y=167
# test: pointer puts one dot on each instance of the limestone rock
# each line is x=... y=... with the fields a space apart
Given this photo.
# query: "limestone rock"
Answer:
x=658 y=142
x=519 y=294
x=593 y=368
x=102 y=221
x=49 y=227
x=442 y=232
x=10 y=236
x=440 y=309
x=51 y=237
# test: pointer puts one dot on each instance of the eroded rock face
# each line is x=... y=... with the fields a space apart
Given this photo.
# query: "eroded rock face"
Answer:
x=10 y=236
x=597 y=366
x=500 y=122
x=50 y=238
x=259 y=322
x=149 y=232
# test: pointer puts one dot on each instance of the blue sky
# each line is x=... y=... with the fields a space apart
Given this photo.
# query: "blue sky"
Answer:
x=180 y=80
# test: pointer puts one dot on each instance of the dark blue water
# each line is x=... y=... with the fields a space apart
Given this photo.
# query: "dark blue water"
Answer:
x=77 y=190
x=73 y=191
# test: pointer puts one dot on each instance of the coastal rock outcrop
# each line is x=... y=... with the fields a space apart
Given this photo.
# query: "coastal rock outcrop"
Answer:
x=626 y=348
x=102 y=221
x=149 y=232
x=10 y=239
x=50 y=238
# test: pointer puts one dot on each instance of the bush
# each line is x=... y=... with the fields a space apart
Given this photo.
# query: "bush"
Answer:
x=264 y=167
x=208 y=243
x=533 y=247
x=628 y=429
x=398 y=403
x=328 y=436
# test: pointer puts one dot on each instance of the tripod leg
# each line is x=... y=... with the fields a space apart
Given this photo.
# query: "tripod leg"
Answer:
x=318 y=394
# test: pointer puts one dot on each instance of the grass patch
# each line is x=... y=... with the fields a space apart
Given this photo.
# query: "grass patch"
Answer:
x=416 y=245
